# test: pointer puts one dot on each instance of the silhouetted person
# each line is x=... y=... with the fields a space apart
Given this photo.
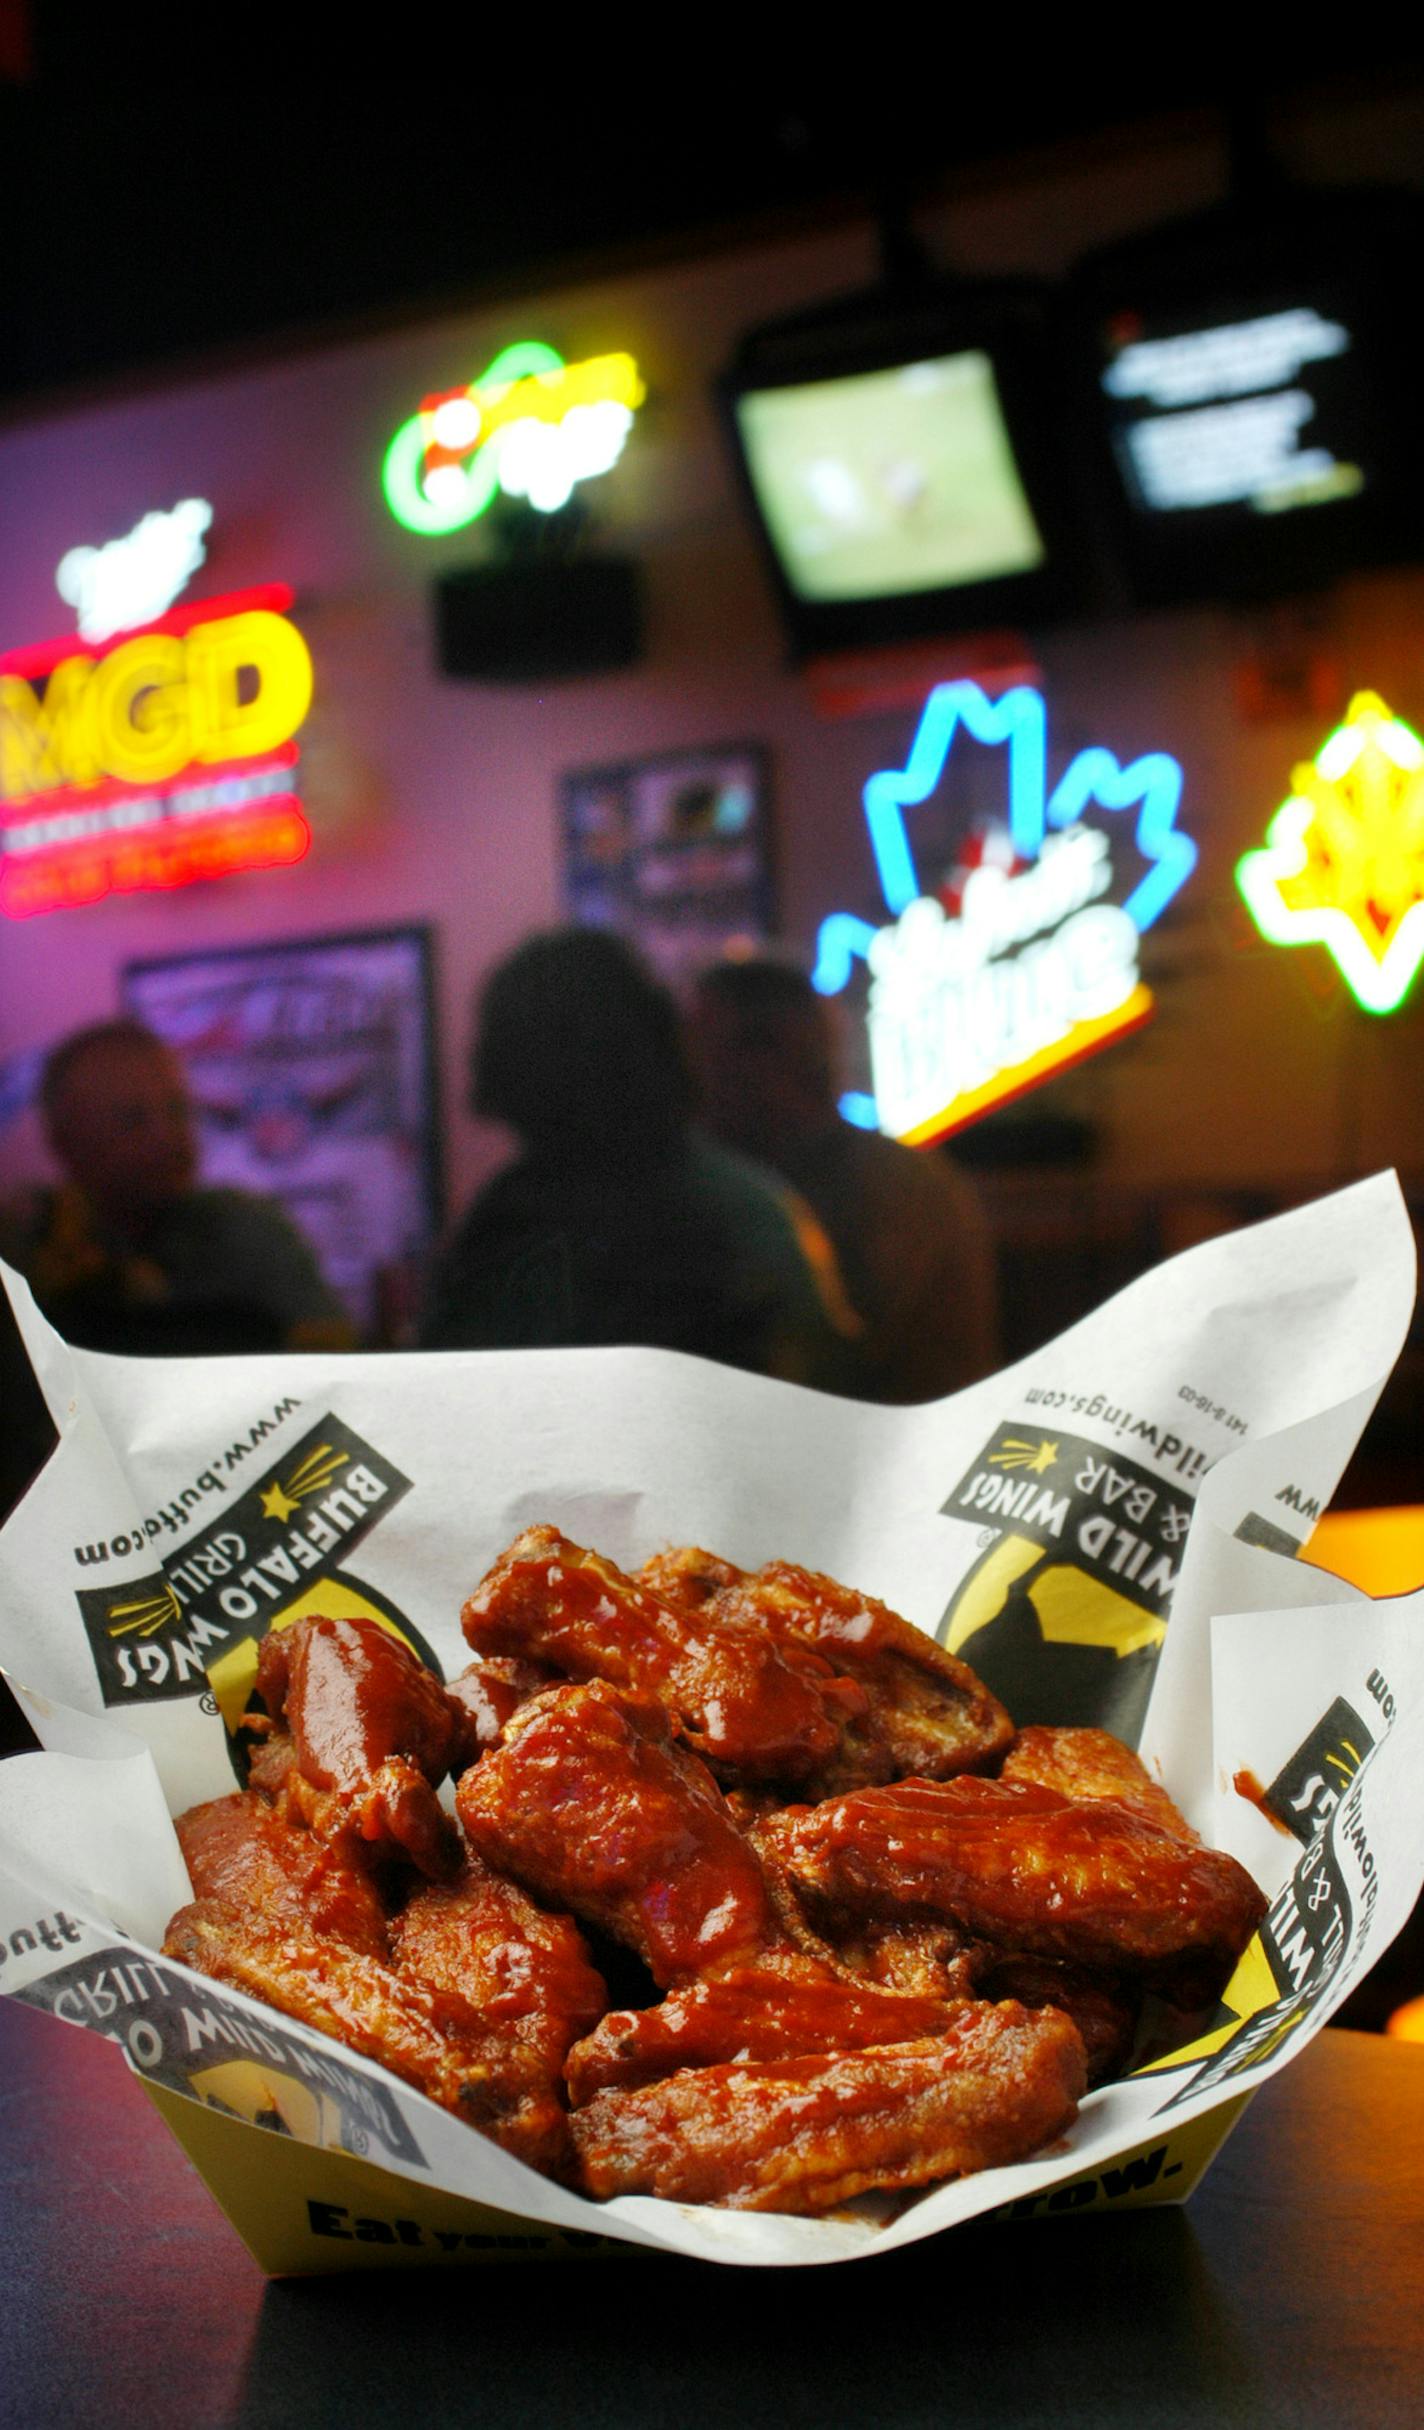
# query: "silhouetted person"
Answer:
x=908 y=1229
x=618 y=1222
x=130 y=1252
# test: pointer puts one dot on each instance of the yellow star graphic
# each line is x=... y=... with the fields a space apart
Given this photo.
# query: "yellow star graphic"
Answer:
x=276 y=1504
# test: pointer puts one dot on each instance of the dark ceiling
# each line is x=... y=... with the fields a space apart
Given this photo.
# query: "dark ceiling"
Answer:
x=228 y=180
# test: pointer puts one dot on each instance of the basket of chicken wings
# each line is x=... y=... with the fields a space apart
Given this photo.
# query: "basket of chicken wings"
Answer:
x=874 y=1937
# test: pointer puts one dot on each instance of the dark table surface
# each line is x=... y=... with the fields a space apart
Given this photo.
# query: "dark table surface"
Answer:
x=1289 y=2291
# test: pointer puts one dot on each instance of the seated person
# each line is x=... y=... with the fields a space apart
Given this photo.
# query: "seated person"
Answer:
x=617 y=1221
x=908 y=1229
x=128 y=1252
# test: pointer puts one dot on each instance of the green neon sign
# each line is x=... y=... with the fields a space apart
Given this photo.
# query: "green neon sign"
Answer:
x=531 y=425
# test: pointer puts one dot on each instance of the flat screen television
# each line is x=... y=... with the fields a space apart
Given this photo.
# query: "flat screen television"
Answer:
x=897 y=452
x=1248 y=376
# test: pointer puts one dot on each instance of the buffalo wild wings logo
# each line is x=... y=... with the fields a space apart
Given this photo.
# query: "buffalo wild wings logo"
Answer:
x=1064 y=1612
x=239 y=2058
x=321 y=1467
x=1318 y=1918
x=272 y=1556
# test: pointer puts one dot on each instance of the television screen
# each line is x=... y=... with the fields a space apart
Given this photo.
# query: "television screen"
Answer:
x=1251 y=374
x=898 y=457
x=890 y=481
x=1235 y=415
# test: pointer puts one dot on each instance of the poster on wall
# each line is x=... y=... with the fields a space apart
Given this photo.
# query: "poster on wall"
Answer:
x=673 y=852
x=313 y=1072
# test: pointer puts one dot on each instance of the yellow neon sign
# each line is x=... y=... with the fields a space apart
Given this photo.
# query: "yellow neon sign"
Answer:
x=546 y=396
x=1343 y=861
x=227 y=689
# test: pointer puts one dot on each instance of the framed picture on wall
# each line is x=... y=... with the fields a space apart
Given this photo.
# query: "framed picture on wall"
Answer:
x=673 y=852
x=312 y=1065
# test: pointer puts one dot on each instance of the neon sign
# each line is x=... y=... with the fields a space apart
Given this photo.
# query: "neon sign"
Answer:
x=531 y=425
x=129 y=582
x=1343 y=861
x=162 y=760
x=1021 y=965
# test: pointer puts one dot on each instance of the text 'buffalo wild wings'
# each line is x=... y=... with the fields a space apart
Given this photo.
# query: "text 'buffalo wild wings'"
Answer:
x=863 y=1935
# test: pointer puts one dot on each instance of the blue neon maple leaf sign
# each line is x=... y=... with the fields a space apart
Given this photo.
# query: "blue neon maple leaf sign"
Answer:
x=1019 y=719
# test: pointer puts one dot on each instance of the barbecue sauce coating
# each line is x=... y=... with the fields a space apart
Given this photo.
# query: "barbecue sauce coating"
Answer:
x=755 y=1711
x=372 y=1734
x=596 y=1812
x=775 y=2009
x=242 y=1854
x=1090 y=1883
x=805 y=2134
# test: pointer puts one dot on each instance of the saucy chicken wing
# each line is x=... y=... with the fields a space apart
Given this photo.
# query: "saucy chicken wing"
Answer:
x=927 y=1712
x=488 y=1694
x=1092 y=1763
x=241 y=1853
x=805 y=2134
x=775 y=2009
x=371 y=1735
x=526 y=1971
x=595 y=1810
x=931 y=1959
x=755 y=1710
x=1104 y=2010
x=431 y=2038
x=1085 y=1882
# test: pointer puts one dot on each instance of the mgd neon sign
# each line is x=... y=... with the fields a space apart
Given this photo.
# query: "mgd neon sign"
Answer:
x=161 y=760
x=531 y=425
x=1343 y=861
x=1037 y=967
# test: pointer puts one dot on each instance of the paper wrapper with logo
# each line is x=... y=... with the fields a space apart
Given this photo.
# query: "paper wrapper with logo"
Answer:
x=1106 y=1531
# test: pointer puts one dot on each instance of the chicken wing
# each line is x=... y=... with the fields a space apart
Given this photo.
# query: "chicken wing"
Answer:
x=1104 y=2010
x=804 y=2134
x=930 y=1959
x=687 y=1575
x=241 y=1853
x=774 y=2009
x=526 y=1974
x=1092 y=1763
x=588 y=1804
x=526 y=1971
x=488 y=1694
x=927 y=1712
x=430 y=2038
x=1086 y=1882
x=371 y=1732
x=756 y=1711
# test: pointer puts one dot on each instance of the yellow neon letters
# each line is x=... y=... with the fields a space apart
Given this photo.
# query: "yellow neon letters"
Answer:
x=228 y=689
